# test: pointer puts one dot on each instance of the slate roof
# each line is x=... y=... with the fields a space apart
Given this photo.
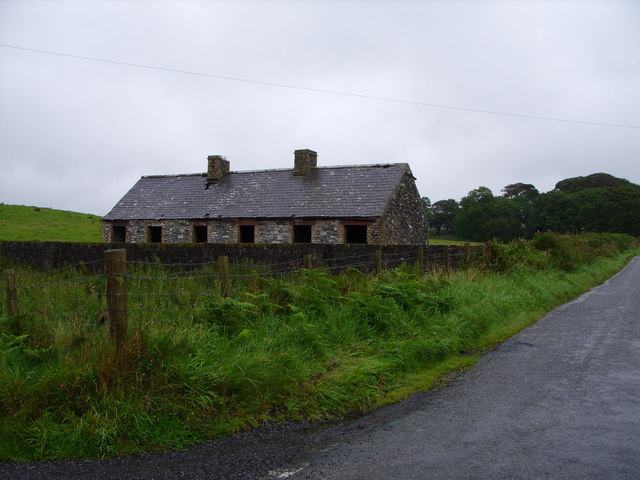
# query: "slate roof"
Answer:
x=359 y=191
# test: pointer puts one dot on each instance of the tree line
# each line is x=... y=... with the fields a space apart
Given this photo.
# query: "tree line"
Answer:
x=595 y=203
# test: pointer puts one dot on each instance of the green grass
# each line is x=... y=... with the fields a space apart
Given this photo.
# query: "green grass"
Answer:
x=20 y=223
x=449 y=240
x=307 y=345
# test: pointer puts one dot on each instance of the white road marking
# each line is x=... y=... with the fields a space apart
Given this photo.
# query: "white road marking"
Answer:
x=286 y=473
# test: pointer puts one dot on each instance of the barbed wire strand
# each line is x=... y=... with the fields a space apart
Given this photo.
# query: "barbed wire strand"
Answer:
x=62 y=282
x=388 y=259
x=57 y=270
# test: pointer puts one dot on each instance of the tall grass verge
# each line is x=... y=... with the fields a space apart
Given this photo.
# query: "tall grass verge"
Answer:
x=307 y=345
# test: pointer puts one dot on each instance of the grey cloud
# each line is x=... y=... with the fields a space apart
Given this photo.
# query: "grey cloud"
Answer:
x=91 y=129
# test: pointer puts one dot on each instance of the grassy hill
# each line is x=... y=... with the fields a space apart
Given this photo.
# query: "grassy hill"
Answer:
x=20 y=223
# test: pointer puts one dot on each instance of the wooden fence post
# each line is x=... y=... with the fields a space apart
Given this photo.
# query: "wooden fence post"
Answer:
x=378 y=262
x=487 y=253
x=254 y=282
x=225 y=281
x=12 y=296
x=420 y=260
x=467 y=254
x=447 y=259
x=115 y=269
x=307 y=261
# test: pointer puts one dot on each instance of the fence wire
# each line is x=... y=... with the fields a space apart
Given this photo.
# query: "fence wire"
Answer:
x=75 y=298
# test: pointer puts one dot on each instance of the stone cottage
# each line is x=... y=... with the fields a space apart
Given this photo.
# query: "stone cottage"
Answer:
x=307 y=204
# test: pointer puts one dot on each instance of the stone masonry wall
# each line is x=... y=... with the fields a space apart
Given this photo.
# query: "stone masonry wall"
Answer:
x=400 y=225
x=327 y=231
x=404 y=221
x=273 y=231
x=177 y=231
x=173 y=231
x=225 y=231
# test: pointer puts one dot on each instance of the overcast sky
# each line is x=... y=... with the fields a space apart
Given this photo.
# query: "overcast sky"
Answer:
x=77 y=134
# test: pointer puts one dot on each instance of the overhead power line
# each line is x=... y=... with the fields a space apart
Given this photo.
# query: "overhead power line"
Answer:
x=322 y=90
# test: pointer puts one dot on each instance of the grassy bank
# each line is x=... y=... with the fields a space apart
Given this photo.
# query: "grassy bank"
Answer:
x=309 y=345
x=20 y=223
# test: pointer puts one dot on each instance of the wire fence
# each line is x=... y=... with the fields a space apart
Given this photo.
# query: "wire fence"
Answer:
x=142 y=291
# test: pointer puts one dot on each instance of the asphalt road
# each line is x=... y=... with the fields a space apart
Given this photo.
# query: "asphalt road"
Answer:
x=560 y=400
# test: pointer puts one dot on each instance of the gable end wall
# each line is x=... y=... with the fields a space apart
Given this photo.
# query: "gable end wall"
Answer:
x=404 y=221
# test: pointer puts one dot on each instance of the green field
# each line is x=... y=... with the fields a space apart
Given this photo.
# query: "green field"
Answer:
x=21 y=223
x=449 y=240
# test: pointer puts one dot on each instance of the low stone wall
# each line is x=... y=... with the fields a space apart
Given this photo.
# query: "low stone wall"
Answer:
x=51 y=255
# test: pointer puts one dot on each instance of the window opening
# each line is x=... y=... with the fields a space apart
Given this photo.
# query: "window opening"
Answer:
x=247 y=234
x=355 y=233
x=200 y=233
x=118 y=233
x=302 y=234
x=155 y=234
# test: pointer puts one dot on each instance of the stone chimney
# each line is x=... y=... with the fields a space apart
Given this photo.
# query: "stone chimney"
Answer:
x=218 y=166
x=305 y=161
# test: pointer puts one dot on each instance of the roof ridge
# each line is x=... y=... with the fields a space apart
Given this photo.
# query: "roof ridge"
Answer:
x=367 y=165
